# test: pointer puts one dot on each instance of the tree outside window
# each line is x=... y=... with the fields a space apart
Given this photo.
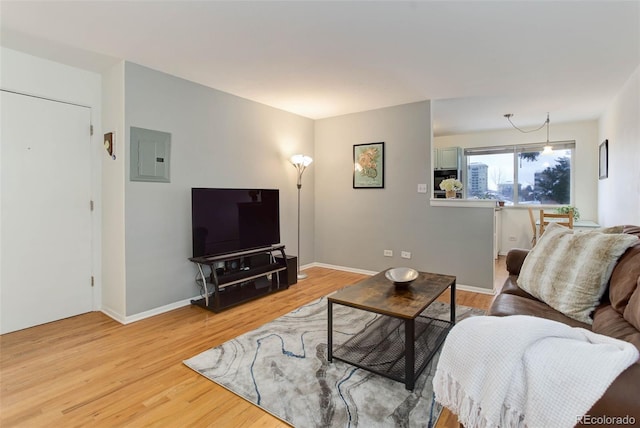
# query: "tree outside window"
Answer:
x=521 y=174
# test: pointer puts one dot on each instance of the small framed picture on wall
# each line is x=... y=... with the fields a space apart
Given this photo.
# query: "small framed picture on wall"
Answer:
x=368 y=166
x=603 y=163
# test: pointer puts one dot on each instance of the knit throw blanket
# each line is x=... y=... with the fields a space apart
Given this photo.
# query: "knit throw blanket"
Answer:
x=523 y=371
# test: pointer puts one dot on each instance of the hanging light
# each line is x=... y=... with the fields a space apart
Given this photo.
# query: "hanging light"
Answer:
x=548 y=148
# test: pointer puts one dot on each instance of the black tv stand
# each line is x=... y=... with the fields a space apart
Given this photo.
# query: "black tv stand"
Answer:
x=240 y=276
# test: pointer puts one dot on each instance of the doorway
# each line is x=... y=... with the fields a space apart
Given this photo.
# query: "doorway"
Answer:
x=45 y=224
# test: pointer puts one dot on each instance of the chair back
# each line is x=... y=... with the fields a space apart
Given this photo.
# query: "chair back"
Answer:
x=564 y=219
x=533 y=227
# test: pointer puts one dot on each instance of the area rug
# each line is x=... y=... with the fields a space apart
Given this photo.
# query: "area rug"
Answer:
x=282 y=367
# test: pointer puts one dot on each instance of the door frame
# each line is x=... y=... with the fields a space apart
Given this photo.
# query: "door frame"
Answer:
x=95 y=168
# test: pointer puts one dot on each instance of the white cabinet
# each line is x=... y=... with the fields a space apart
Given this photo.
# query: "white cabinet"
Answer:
x=446 y=158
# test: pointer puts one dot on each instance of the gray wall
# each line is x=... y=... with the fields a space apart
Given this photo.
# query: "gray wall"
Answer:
x=218 y=140
x=354 y=226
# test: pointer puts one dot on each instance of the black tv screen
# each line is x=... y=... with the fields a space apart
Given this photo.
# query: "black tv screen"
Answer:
x=229 y=220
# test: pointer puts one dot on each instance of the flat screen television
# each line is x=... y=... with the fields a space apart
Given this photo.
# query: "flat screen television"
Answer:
x=229 y=220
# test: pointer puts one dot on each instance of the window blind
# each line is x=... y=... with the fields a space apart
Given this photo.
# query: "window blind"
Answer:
x=519 y=148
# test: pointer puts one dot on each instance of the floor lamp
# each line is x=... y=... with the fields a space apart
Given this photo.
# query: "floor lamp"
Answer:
x=300 y=162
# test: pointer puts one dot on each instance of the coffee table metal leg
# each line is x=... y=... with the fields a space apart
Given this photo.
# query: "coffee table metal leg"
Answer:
x=452 y=305
x=409 y=353
x=330 y=332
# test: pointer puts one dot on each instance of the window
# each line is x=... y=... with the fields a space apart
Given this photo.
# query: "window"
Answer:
x=521 y=174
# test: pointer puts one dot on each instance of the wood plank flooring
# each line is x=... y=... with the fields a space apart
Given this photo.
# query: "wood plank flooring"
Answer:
x=91 y=370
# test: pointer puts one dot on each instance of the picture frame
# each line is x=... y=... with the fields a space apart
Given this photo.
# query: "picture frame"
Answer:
x=603 y=160
x=108 y=143
x=368 y=166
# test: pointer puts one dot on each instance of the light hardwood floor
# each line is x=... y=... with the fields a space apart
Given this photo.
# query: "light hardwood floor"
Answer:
x=91 y=370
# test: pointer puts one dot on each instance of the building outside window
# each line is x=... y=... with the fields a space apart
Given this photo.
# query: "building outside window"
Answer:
x=521 y=174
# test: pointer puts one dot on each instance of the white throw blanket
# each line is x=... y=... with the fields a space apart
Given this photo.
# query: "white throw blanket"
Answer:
x=523 y=371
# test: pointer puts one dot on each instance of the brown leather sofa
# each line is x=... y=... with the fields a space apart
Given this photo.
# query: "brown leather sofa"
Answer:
x=621 y=302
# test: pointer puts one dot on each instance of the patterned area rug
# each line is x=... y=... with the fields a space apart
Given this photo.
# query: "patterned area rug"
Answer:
x=282 y=367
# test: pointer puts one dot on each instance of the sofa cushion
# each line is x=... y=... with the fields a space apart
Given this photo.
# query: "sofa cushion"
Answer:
x=612 y=229
x=624 y=279
x=510 y=304
x=570 y=271
x=632 y=311
x=607 y=321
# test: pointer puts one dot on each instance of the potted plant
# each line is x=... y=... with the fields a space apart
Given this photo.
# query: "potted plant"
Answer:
x=566 y=209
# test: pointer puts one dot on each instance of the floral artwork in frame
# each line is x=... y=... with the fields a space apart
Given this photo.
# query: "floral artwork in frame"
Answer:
x=368 y=166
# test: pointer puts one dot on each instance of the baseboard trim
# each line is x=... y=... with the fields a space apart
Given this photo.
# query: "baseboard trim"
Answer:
x=342 y=268
x=475 y=289
x=148 y=314
x=113 y=314
x=462 y=287
x=166 y=308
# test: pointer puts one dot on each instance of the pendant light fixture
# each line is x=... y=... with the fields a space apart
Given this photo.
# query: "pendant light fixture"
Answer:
x=547 y=149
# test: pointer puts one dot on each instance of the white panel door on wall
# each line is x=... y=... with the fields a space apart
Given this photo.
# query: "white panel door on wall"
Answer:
x=45 y=224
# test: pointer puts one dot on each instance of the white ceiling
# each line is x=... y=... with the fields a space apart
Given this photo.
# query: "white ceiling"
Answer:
x=477 y=60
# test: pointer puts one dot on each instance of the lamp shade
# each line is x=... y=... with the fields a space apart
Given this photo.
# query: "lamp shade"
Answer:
x=301 y=160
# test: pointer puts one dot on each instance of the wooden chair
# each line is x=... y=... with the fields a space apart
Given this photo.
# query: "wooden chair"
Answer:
x=534 y=229
x=565 y=219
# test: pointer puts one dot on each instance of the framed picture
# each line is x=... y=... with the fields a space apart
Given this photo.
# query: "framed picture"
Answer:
x=368 y=166
x=603 y=165
x=108 y=143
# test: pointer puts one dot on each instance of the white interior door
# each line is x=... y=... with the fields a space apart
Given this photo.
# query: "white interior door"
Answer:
x=45 y=217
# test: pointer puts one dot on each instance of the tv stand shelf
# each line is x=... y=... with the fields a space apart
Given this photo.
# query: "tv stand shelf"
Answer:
x=247 y=279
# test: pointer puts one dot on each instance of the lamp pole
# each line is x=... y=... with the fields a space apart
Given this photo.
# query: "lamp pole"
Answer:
x=301 y=275
x=300 y=162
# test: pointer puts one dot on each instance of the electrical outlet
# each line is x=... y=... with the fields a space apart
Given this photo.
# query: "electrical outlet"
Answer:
x=512 y=238
x=405 y=254
x=422 y=188
x=388 y=253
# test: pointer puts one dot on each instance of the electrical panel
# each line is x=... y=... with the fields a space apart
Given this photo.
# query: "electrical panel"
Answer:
x=150 y=155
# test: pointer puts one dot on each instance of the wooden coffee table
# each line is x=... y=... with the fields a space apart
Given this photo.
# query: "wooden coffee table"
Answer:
x=401 y=342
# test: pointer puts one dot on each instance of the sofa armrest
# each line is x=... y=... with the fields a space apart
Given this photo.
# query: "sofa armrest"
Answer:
x=515 y=258
x=621 y=398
